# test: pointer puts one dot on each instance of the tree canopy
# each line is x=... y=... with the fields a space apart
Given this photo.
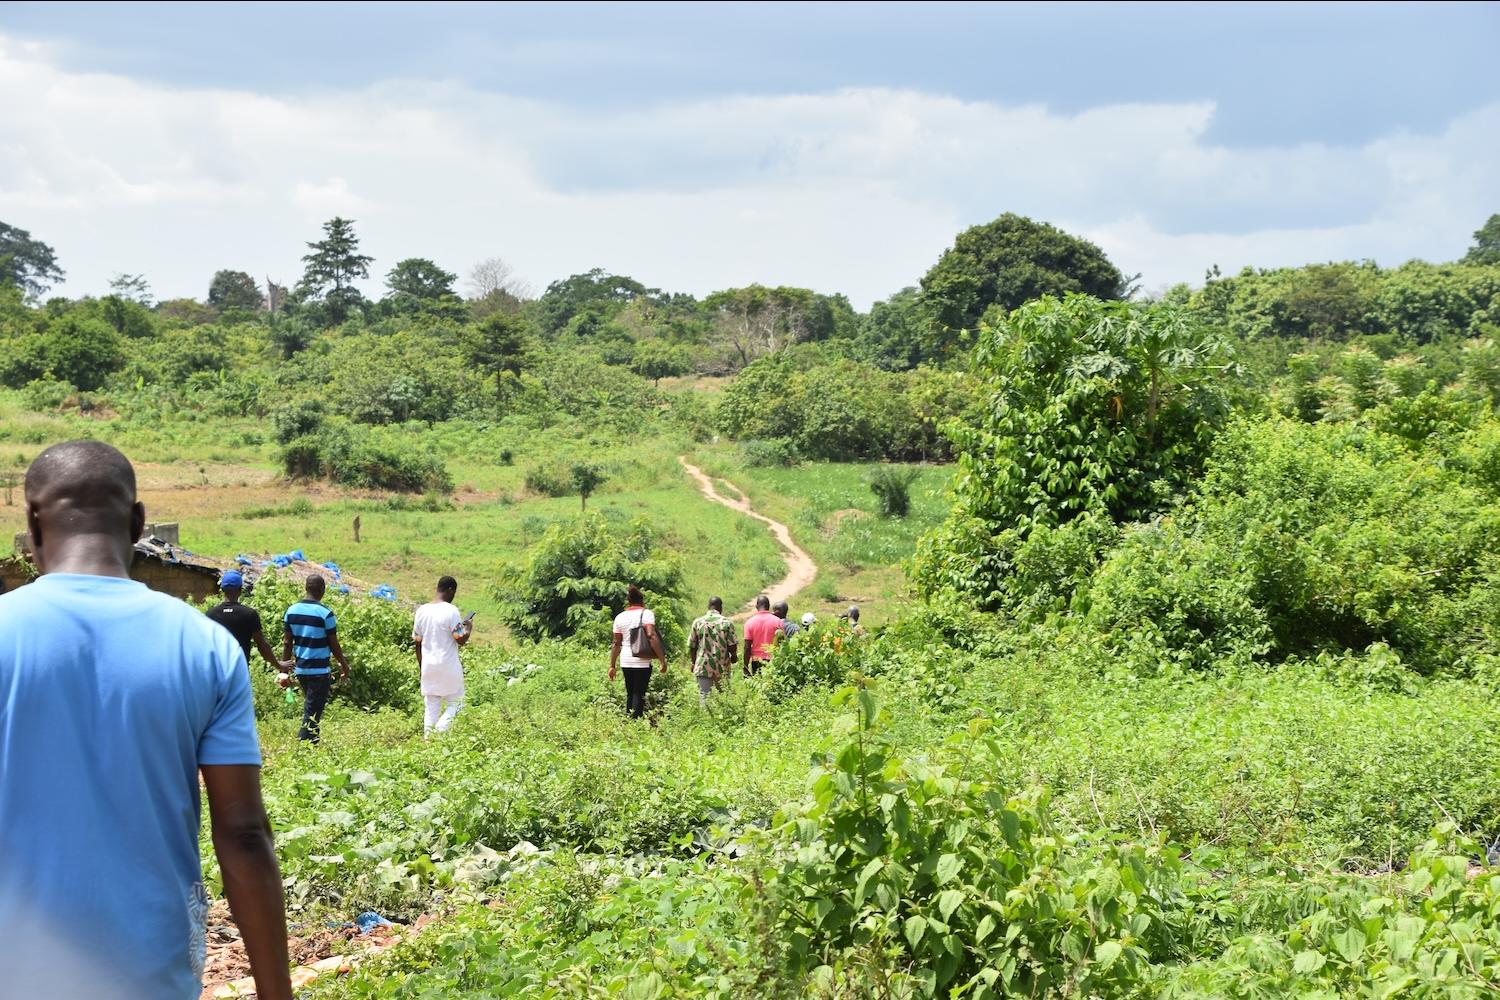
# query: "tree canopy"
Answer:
x=1486 y=248
x=235 y=290
x=27 y=263
x=333 y=266
x=1008 y=262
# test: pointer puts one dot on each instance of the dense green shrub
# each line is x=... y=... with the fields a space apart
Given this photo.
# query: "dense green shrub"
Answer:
x=926 y=875
x=1306 y=538
x=826 y=407
x=312 y=444
x=892 y=488
x=573 y=581
x=1103 y=408
x=763 y=453
x=550 y=479
x=80 y=349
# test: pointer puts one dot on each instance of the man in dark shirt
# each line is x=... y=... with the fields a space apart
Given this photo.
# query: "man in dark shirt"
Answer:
x=242 y=621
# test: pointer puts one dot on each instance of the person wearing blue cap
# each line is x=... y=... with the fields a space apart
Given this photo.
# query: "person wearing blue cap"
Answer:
x=242 y=621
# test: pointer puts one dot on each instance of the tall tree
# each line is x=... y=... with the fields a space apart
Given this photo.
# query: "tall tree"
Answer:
x=495 y=274
x=27 y=263
x=1005 y=263
x=235 y=290
x=498 y=346
x=333 y=266
x=754 y=321
x=420 y=278
x=133 y=287
x=606 y=293
x=493 y=287
x=417 y=285
x=1486 y=248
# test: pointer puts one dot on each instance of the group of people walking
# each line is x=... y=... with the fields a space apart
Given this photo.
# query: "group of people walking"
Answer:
x=712 y=644
x=310 y=647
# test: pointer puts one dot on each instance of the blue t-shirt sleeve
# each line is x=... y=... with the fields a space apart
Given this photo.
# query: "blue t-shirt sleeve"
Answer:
x=333 y=622
x=230 y=737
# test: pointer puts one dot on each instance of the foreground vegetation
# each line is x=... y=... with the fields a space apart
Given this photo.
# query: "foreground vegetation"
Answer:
x=1180 y=682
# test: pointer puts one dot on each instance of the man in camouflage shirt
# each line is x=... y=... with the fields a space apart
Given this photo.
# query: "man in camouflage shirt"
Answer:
x=711 y=646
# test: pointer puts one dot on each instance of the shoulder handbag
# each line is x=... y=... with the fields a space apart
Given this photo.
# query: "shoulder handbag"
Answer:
x=640 y=640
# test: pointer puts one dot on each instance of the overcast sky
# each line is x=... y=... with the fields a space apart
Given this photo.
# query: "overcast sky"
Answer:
x=700 y=147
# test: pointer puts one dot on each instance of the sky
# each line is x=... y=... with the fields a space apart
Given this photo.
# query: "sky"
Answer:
x=696 y=147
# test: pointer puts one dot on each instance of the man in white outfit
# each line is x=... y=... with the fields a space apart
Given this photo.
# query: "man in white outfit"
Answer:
x=439 y=630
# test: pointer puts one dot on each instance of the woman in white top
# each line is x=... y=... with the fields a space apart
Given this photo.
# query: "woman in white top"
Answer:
x=636 y=623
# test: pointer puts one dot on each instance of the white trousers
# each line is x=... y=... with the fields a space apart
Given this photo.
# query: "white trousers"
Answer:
x=440 y=712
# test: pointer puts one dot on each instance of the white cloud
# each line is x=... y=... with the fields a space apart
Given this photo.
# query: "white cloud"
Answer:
x=855 y=190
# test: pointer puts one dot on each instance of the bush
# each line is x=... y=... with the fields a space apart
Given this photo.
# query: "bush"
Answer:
x=1105 y=408
x=892 y=488
x=553 y=479
x=573 y=582
x=923 y=878
x=312 y=445
x=769 y=453
x=821 y=656
x=1311 y=538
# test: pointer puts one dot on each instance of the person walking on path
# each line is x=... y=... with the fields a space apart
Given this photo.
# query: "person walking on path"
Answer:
x=635 y=645
x=243 y=621
x=116 y=700
x=761 y=631
x=711 y=649
x=311 y=636
x=439 y=630
x=853 y=617
x=789 y=628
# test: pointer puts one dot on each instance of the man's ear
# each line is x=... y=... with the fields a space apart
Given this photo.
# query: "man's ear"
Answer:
x=137 y=522
x=34 y=529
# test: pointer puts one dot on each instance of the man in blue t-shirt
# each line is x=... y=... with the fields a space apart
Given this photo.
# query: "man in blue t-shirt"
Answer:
x=311 y=634
x=102 y=741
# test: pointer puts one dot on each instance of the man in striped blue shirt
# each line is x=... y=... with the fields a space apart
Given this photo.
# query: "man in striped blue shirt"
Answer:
x=311 y=635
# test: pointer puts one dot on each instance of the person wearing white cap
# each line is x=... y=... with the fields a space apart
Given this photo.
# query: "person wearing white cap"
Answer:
x=809 y=620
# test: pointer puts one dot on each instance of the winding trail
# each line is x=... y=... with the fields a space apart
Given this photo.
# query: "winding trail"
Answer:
x=800 y=568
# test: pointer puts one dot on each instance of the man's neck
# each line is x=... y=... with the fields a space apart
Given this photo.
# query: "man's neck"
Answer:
x=87 y=555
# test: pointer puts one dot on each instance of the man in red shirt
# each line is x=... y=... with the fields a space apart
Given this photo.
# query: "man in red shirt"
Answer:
x=760 y=632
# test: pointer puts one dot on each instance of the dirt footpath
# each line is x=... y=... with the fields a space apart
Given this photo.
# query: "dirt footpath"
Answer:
x=800 y=568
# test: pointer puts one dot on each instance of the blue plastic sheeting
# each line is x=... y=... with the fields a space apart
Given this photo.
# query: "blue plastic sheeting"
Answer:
x=369 y=920
x=333 y=568
x=384 y=592
x=342 y=588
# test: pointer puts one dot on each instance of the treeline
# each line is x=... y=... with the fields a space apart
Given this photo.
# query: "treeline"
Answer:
x=810 y=377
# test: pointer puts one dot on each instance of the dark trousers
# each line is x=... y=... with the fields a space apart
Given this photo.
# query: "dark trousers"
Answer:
x=315 y=688
x=637 y=679
x=754 y=667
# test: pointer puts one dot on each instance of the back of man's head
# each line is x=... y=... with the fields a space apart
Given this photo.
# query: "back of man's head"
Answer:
x=853 y=613
x=82 y=488
x=716 y=604
x=316 y=586
x=447 y=587
x=762 y=603
x=780 y=609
